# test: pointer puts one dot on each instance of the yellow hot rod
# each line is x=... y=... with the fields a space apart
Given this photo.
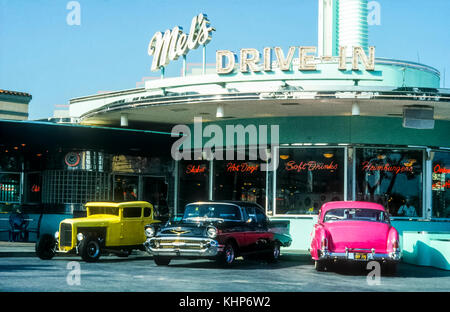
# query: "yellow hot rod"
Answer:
x=108 y=228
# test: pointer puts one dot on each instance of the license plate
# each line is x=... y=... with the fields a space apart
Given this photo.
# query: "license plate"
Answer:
x=360 y=256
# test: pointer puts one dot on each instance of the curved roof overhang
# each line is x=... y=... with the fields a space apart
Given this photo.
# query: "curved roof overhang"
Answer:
x=327 y=91
x=182 y=108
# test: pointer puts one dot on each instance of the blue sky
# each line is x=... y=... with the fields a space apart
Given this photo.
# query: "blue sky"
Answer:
x=41 y=54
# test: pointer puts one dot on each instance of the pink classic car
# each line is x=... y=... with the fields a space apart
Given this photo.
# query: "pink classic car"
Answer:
x=354 y=231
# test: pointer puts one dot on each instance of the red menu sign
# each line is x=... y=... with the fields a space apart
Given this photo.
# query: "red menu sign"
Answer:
x=242 y=167
x=194 y=169
x=309 y=165
x=439 y=169
x=440 y=185
x=368 y=166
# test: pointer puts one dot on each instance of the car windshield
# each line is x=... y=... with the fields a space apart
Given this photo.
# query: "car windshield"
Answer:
x=356 y=214
x=103 y=210
x=220 y=212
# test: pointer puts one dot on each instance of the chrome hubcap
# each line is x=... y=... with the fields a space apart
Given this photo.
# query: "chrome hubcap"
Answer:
x=276 y=252
x=229 y=254
x=93 y=249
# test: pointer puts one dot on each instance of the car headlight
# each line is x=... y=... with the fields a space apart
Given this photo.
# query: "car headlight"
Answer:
x=56 y=235
x=211 y=231
x=150 y=231
x=80 y=237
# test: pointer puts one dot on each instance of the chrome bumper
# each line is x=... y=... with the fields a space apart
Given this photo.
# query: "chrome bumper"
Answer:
x=183 y=247
x=350 y=254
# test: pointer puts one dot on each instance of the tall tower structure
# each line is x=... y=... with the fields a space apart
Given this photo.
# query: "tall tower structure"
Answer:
x=328 y=28
x=353 y=27
x=342 y=23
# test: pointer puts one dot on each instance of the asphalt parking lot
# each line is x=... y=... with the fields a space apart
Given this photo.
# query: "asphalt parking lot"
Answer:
x=139 y=273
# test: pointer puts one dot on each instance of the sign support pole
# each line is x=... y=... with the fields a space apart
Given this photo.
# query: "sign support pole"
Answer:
x=204 y=60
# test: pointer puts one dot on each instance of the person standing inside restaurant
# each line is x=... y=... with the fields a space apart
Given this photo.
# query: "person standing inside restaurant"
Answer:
x=407 y=209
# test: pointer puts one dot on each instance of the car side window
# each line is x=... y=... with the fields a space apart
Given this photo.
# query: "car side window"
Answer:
x=260 y=217
x=256 y=215
x=132 y=212
x=251 y=213
x=147 y=212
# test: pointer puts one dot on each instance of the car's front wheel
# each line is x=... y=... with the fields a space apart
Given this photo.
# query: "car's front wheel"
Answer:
x=46 y=247
x=161 y=260
x=90 y=249
x=228 y=256
x=274 y=255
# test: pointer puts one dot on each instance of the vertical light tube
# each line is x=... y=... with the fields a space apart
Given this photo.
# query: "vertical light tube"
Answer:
x=211 y=179
x=328 y=28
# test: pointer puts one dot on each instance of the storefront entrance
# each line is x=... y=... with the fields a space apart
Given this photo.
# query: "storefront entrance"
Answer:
x=153 y=189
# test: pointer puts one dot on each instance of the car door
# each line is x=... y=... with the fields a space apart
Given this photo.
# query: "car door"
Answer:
x=237 y=228
x=133 y=225
x=264 y=237
x=258 y=236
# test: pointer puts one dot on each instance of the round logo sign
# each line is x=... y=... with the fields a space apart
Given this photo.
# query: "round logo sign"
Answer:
x=72 y=159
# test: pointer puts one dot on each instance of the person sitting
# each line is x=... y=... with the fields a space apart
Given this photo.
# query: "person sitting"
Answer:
x=407 y=209
x=17 y=225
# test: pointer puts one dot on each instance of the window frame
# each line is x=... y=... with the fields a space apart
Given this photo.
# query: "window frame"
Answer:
x=20 y=195
x=145 y=209
x=239 y=208
x=276 y=153
x=429 y=180
x=127 y=208
x=215 y=170
x=425 y=173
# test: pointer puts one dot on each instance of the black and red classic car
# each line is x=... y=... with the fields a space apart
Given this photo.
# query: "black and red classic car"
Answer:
x=216 y=230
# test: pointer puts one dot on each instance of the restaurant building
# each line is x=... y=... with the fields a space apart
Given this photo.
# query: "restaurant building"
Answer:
x=48 y=172
x=351 y=126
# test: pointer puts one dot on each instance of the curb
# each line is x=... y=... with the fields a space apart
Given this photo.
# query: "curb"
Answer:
x=17 y=254
x=32 y=253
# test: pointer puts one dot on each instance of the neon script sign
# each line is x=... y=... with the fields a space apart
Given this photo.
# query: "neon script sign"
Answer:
x=192 y=169
x=441 y=185
x=243 y=167
x=310 y=166
x=441 y=170
x=367 y=166
x=175 y=43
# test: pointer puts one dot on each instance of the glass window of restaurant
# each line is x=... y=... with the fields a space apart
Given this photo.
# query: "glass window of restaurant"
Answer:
x=9 y=187
x=306 y=178
x=441 y=184
x=193 y=182
x=9 y=177
x=126 y=187
x=241 y=180
x=391 y=177
x=33 y=187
